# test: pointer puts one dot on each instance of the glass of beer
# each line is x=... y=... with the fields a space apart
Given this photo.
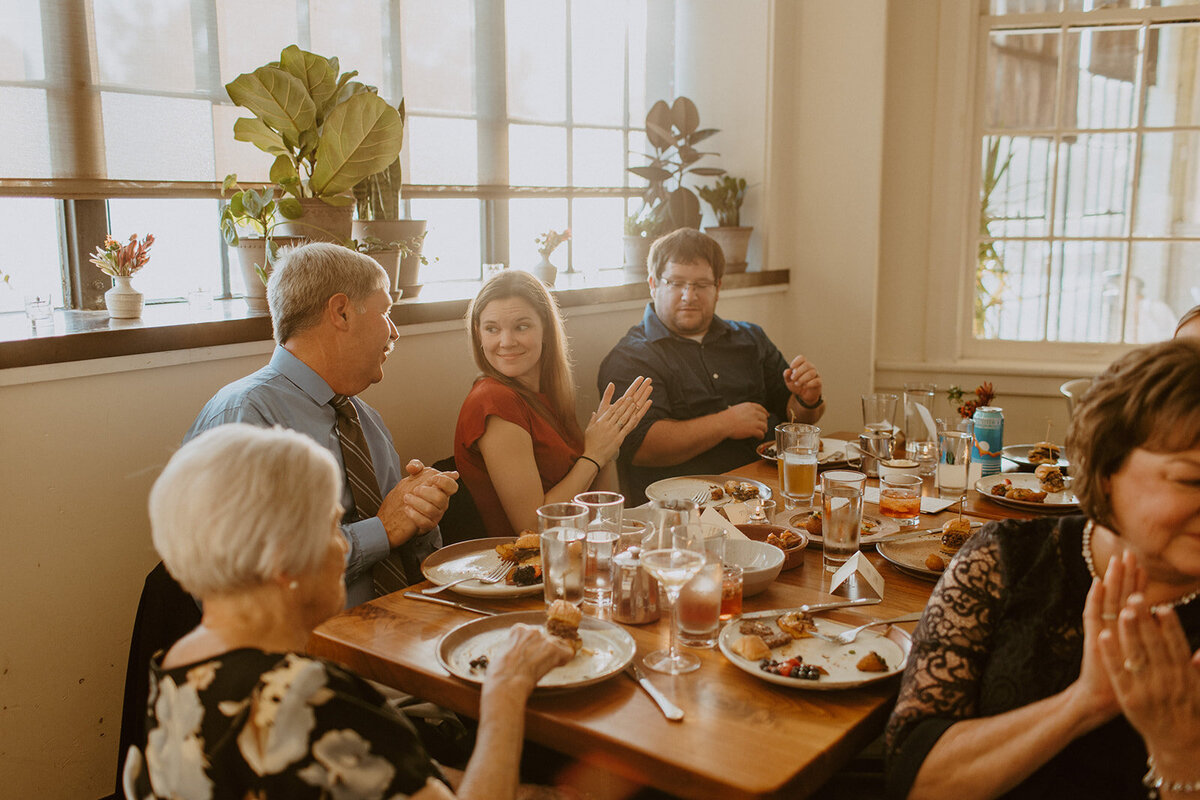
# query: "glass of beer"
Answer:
x=900 y=498
x=796 y=446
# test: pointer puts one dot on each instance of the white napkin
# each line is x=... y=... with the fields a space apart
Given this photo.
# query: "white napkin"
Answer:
x=713 y=517
x=929 y=505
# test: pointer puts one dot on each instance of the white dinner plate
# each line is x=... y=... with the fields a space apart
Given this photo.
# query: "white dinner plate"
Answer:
x=874 y=528
x=839 y=660
x=1019 y=454
x=909 y=556
x=473 y=557
x=607 y=649
x=1054 y=502
x=685 y=487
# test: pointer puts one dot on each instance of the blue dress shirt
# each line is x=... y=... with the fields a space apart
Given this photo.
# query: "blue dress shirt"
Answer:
x=735 y=363
x=287 y=392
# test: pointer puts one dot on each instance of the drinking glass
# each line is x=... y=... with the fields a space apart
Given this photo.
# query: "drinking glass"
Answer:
x=39 y=308
x=698 y=610
x=562 y=526
x=732 y=582
x=796 y=446
x=673 y=566
x=600 y=545
x=879 y=411
x=954 y=461
x=841 y=500
x=634 y=533
x=900 y=498
x=666 y=514
x=920 y=429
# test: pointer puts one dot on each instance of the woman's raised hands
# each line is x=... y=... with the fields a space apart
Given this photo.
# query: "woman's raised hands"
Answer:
x=612 y=420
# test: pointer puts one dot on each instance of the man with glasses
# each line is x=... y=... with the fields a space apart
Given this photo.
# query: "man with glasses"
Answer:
x=720 y=387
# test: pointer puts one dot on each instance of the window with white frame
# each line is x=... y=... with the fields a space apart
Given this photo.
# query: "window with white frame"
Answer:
x=1089 y=146
x=522 y=115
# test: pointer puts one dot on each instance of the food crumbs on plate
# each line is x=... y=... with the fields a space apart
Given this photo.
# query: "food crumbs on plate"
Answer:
x=478 y=664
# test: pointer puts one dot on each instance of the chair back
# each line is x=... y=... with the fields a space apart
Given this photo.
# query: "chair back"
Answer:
x=461 y=520
x=1073 y=390
x=165 y=613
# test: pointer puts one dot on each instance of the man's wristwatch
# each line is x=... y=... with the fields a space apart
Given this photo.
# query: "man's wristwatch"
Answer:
x=803 y=404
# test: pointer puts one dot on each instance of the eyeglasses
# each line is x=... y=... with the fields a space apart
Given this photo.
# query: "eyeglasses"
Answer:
x=698 y=287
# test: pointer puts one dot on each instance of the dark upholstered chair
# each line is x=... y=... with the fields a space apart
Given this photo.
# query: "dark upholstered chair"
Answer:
x=165 y=613
x=461 y=520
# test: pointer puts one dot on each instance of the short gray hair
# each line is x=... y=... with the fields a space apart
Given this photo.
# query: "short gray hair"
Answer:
x=306 y=277
x=239 y=505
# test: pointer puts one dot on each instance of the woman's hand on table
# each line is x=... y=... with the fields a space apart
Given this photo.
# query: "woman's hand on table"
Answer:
x=1156 y=681
x=612 y=420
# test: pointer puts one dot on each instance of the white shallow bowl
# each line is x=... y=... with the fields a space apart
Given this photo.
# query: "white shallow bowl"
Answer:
x=760 y=563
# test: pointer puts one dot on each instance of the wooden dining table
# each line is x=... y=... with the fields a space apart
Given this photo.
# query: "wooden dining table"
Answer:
x=741 y=737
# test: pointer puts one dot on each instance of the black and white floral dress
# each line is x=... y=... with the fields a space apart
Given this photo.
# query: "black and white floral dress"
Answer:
x=250 y=724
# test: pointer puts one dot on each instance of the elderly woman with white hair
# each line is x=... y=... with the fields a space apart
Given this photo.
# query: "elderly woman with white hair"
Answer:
x=246 y=519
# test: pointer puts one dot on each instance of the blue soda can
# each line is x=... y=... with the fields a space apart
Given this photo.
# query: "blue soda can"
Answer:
x=989 y=438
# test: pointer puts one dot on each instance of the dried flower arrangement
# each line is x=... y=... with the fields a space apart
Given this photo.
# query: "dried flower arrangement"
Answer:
x=122 y=260
x=984 y=395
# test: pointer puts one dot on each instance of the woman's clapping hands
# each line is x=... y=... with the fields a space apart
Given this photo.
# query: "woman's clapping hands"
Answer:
x=612 y=420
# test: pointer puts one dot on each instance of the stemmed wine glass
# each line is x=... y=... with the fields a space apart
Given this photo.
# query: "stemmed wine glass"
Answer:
x=673 y=564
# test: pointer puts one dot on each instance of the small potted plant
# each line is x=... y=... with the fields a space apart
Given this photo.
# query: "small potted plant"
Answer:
x=641 y=229
x=326 y=133
x=121 y=261
x=378 y=221
x=725 y=197
x=547 y=243
x=255 y=211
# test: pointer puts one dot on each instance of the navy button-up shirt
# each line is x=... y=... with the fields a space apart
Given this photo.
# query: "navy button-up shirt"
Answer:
x=735 y=363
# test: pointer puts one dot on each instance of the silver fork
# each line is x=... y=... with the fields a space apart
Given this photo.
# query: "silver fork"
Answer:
x=495 y=576
x=848 y=636
x=702 y=497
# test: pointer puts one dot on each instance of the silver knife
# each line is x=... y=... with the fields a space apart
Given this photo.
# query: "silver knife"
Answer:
x=669 y=709
x=454 y=604
x=908 y=537
x=812 y=608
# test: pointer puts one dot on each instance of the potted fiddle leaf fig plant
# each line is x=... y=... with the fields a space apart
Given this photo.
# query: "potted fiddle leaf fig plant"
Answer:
x=725 y=197
x=326 y=131
x=394 y=242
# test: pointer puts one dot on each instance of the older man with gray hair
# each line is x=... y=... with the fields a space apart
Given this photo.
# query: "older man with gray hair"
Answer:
x=330 y=312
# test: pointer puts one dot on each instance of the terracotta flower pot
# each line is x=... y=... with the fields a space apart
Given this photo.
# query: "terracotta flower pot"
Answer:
x=320 y=222
x=734 y=244
x=406 y=276
x=637 y=250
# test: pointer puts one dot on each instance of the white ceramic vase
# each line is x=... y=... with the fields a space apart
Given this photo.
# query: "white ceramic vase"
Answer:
x=122 y=300
x=545 y=272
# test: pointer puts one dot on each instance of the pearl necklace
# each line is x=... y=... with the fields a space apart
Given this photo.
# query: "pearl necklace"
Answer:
x=1087 y=559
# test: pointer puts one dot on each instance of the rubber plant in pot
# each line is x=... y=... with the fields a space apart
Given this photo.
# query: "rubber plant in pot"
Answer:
x=380 y=232
x=725 y=197
x=673 y=133
x=326 y=131
x=121 y=261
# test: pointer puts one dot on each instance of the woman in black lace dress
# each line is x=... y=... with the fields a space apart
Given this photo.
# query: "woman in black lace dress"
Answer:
x=247 y=520
x=1057 y=654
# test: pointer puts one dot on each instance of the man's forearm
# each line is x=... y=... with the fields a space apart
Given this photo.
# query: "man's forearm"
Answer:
x=674 y=441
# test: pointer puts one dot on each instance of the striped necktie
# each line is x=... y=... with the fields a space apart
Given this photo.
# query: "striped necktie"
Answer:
x=388 y=574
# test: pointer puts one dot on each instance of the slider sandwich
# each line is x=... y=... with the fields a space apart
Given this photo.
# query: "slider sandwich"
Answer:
x=562 y=620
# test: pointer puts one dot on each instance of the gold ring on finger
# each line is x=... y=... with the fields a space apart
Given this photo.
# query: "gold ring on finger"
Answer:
x=1133 y=667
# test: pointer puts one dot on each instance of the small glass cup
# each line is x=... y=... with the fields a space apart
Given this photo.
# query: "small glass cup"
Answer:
x=841 y=523
x=39 y=309
x=698 y=611
x=762 y=512
x=562 y=526
x=731 y=592
x=666 y=514
x=900 y=498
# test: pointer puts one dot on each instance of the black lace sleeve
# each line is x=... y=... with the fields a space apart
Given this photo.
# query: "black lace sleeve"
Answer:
x=950 y=648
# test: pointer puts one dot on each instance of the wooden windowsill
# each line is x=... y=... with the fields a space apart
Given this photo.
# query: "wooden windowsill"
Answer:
x=83 y=335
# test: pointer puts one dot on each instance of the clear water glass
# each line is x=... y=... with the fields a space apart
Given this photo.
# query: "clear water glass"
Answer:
x=841 y=525
x=796 y=447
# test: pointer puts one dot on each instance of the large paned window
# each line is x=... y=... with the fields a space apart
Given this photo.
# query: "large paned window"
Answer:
x=522 y=117
x=1089 y=151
